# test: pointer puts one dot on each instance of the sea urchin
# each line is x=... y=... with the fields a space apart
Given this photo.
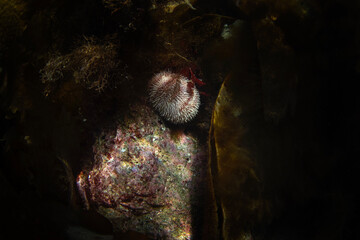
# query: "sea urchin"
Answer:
x=174 y=96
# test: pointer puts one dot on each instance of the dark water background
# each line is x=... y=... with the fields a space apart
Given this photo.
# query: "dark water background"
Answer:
x=311 y=175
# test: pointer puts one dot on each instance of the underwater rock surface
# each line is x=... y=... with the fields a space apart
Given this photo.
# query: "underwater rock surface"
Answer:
x=142 y=178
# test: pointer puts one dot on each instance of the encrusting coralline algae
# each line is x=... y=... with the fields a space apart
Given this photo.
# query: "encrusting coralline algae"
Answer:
x=142 y=178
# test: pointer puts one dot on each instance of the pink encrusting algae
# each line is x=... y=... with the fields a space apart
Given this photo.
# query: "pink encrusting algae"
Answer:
x=174 y=96
x=142 y=179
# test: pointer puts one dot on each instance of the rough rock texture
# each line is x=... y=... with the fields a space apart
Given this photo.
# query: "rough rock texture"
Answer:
x=144 y=177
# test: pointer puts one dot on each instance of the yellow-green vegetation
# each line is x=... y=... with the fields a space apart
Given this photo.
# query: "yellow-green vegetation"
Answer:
x=234 y=169
x=273 y=8
x=93 y=66
x=270 y=23
x=181 y=32
x=116 y=4
x=11 y=22
x=278 y=68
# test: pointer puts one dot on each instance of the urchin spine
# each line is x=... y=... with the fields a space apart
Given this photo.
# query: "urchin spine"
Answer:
x=174 y=96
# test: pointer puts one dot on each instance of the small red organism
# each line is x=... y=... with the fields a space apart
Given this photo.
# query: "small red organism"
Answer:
x=195 y=79
x=188 y=72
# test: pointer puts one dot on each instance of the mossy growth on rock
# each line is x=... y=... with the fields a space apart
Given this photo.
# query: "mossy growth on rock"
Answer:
x=93 y=66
